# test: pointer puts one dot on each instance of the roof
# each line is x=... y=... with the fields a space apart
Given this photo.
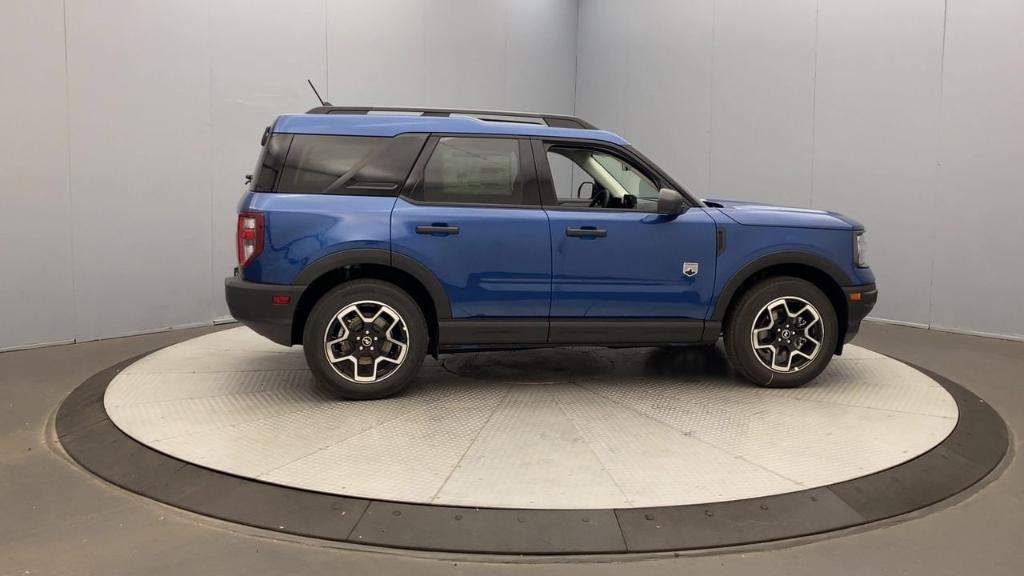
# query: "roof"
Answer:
x=392 y=125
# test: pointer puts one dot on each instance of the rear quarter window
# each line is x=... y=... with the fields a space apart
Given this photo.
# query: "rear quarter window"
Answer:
x=355 y=165
x=314 y=163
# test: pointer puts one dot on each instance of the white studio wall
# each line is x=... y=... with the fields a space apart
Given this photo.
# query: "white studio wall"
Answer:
x=137 y=121
x=132 y=123
x=905 y=115
x=140 y=131
x=977 y=275
x=36 y=282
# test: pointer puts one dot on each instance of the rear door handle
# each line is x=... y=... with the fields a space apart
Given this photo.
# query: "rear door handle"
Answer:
x=586 y=232
x=437 y=229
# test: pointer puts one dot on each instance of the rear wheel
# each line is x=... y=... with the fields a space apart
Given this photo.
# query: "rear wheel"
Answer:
x=782 y=333
x=365 y=339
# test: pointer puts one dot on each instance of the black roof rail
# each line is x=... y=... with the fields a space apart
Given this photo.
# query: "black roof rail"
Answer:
x=554 y=120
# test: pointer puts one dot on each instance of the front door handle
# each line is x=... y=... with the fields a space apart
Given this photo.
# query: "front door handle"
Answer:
x=442 y=229
x=586 y=232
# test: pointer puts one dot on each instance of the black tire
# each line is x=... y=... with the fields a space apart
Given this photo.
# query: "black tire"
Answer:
x=753 y=364
x=338 y=377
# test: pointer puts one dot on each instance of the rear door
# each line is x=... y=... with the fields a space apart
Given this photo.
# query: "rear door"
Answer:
x=471 y=214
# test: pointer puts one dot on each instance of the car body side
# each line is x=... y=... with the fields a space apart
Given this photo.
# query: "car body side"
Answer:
x=315 y=241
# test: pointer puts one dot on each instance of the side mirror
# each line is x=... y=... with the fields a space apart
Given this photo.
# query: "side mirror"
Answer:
x=670 y=202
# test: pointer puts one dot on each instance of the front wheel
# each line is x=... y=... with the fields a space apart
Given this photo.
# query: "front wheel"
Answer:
x=365 y=339
x=782 y=333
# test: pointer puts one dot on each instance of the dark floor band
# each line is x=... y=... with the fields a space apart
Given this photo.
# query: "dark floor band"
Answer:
x=968 y=454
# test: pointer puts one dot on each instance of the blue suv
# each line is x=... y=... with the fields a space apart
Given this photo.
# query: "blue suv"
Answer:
x=374 y=237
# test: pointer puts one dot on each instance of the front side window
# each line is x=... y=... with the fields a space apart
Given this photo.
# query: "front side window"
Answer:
x=473 y=171
x=591 y=178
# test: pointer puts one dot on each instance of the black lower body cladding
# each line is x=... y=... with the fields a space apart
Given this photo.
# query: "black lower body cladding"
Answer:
x=268 y=309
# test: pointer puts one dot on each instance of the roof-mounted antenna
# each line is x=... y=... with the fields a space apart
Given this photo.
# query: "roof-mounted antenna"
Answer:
x=322 y=101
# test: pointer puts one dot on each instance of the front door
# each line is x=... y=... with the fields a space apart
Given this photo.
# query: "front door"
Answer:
x=618 y=266
x=471 y=214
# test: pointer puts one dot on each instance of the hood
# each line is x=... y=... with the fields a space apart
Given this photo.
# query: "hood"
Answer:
x=757 y=214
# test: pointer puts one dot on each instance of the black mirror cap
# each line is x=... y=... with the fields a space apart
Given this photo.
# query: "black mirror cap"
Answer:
x=670 y=202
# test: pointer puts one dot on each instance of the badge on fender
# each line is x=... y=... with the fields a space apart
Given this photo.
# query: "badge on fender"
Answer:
x=690 y=269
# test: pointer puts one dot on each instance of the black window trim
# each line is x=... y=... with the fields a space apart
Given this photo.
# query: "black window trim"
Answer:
x=261 y=163
x=527 y=167
x=549 y=198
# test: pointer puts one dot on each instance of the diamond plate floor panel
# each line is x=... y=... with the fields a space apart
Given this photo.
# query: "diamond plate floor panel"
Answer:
x=567 y=428
x=529 y=454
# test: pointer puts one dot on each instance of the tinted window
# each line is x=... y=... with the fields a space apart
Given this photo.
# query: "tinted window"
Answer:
x=316 y=162
x=387 y=169
x=268 y=168
x=473 y=170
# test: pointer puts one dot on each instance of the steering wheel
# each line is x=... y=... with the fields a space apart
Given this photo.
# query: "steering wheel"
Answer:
x=599 y=199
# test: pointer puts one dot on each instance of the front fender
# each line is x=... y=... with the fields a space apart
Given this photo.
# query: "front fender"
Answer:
x=762 y=262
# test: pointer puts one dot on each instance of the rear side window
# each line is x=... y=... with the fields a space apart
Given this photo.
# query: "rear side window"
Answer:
x=314 y=163
x=473 y=171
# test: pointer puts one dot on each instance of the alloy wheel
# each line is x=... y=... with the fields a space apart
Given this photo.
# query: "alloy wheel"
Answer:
x=787 y=334
x=366 y=342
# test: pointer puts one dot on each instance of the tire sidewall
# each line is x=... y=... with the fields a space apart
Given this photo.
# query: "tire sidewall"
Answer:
x=739 y=325
x=354 y=291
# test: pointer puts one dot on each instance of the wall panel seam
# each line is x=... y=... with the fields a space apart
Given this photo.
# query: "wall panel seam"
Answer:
x=711 y=104
x=814 y=96
x=938 y=162
x=70 y=189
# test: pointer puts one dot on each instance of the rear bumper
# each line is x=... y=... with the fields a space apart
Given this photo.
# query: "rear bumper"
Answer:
x=253 y=304
x=858 y=306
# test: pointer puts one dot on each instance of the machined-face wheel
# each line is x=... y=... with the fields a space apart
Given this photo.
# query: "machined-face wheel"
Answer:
x=366 y=342
x=787 y=334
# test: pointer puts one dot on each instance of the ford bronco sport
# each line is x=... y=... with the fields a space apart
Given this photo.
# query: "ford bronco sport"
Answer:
x=374 y=237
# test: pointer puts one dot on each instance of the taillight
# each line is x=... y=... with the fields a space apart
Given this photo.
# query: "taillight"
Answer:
x=249 y=236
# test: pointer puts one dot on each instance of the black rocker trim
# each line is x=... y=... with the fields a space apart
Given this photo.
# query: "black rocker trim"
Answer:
x=530 y=332
x=492 y=331
x=631 y=332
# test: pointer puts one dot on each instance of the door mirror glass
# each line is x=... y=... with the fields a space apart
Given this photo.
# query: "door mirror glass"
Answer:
x=669 y=202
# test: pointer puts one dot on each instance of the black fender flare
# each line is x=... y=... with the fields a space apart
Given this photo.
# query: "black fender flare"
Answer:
x=380 y=257
x=756 y=265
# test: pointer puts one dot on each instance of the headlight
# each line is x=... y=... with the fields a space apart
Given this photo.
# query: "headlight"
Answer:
x=860 y=248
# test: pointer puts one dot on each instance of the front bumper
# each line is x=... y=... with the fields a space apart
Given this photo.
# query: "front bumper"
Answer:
x=859 y=302
x=253 y=304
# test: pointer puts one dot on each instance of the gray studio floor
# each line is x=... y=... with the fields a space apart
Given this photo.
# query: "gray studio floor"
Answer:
x=57 y=519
